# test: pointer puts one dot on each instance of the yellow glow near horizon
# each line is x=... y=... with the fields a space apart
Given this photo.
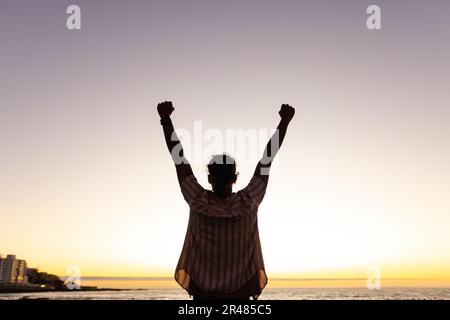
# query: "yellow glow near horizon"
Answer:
x=337 y=233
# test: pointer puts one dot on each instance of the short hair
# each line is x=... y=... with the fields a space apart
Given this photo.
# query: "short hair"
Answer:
x=222 y=167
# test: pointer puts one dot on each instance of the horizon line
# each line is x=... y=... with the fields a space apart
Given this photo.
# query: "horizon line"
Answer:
x=273 y=279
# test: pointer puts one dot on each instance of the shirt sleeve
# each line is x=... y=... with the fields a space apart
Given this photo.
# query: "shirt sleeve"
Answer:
x=191 y=189
x=255 y=190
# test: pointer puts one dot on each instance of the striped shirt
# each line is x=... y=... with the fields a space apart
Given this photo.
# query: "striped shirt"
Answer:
x=222 y=249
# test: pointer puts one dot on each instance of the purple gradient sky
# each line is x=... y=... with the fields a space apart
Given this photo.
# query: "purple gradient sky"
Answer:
x=82 y=146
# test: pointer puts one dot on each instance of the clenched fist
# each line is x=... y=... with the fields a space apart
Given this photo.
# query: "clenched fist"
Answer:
x=286 y=112
x=165 y=109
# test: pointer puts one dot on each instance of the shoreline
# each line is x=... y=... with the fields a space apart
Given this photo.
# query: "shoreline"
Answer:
x=39 y=289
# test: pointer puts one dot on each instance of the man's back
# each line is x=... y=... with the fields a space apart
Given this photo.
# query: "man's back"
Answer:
x=222 y=250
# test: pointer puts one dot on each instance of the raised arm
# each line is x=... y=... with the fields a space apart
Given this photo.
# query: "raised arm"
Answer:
x=182 y=166
x=263 y=167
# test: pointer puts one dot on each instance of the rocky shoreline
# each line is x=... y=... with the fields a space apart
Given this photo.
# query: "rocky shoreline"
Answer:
x=32 y=289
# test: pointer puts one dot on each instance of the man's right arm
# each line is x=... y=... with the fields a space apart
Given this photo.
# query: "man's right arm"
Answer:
x=173 y=143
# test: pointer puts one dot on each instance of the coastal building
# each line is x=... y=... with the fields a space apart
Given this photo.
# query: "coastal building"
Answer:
x=12 y=270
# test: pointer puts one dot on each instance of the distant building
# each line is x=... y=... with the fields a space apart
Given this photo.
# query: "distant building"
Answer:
x=13 y=270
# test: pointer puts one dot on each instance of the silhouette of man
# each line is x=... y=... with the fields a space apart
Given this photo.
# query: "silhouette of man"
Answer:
x=221 y=256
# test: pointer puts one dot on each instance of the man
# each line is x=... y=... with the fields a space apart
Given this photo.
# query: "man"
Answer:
x=221 y=256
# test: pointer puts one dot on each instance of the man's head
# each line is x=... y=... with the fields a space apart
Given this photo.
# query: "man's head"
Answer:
x=222 y=172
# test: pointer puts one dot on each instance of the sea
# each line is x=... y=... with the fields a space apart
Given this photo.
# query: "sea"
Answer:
x=268 y=294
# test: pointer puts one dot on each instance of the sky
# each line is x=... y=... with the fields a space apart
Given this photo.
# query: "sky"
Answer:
x=362 y=178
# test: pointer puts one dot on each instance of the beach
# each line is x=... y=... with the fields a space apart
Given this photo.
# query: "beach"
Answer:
x=268 y=294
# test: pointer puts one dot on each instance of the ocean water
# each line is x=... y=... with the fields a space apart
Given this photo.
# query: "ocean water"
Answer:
x=268 y=294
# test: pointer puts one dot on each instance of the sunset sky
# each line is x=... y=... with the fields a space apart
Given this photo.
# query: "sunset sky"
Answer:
x=362 y=179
